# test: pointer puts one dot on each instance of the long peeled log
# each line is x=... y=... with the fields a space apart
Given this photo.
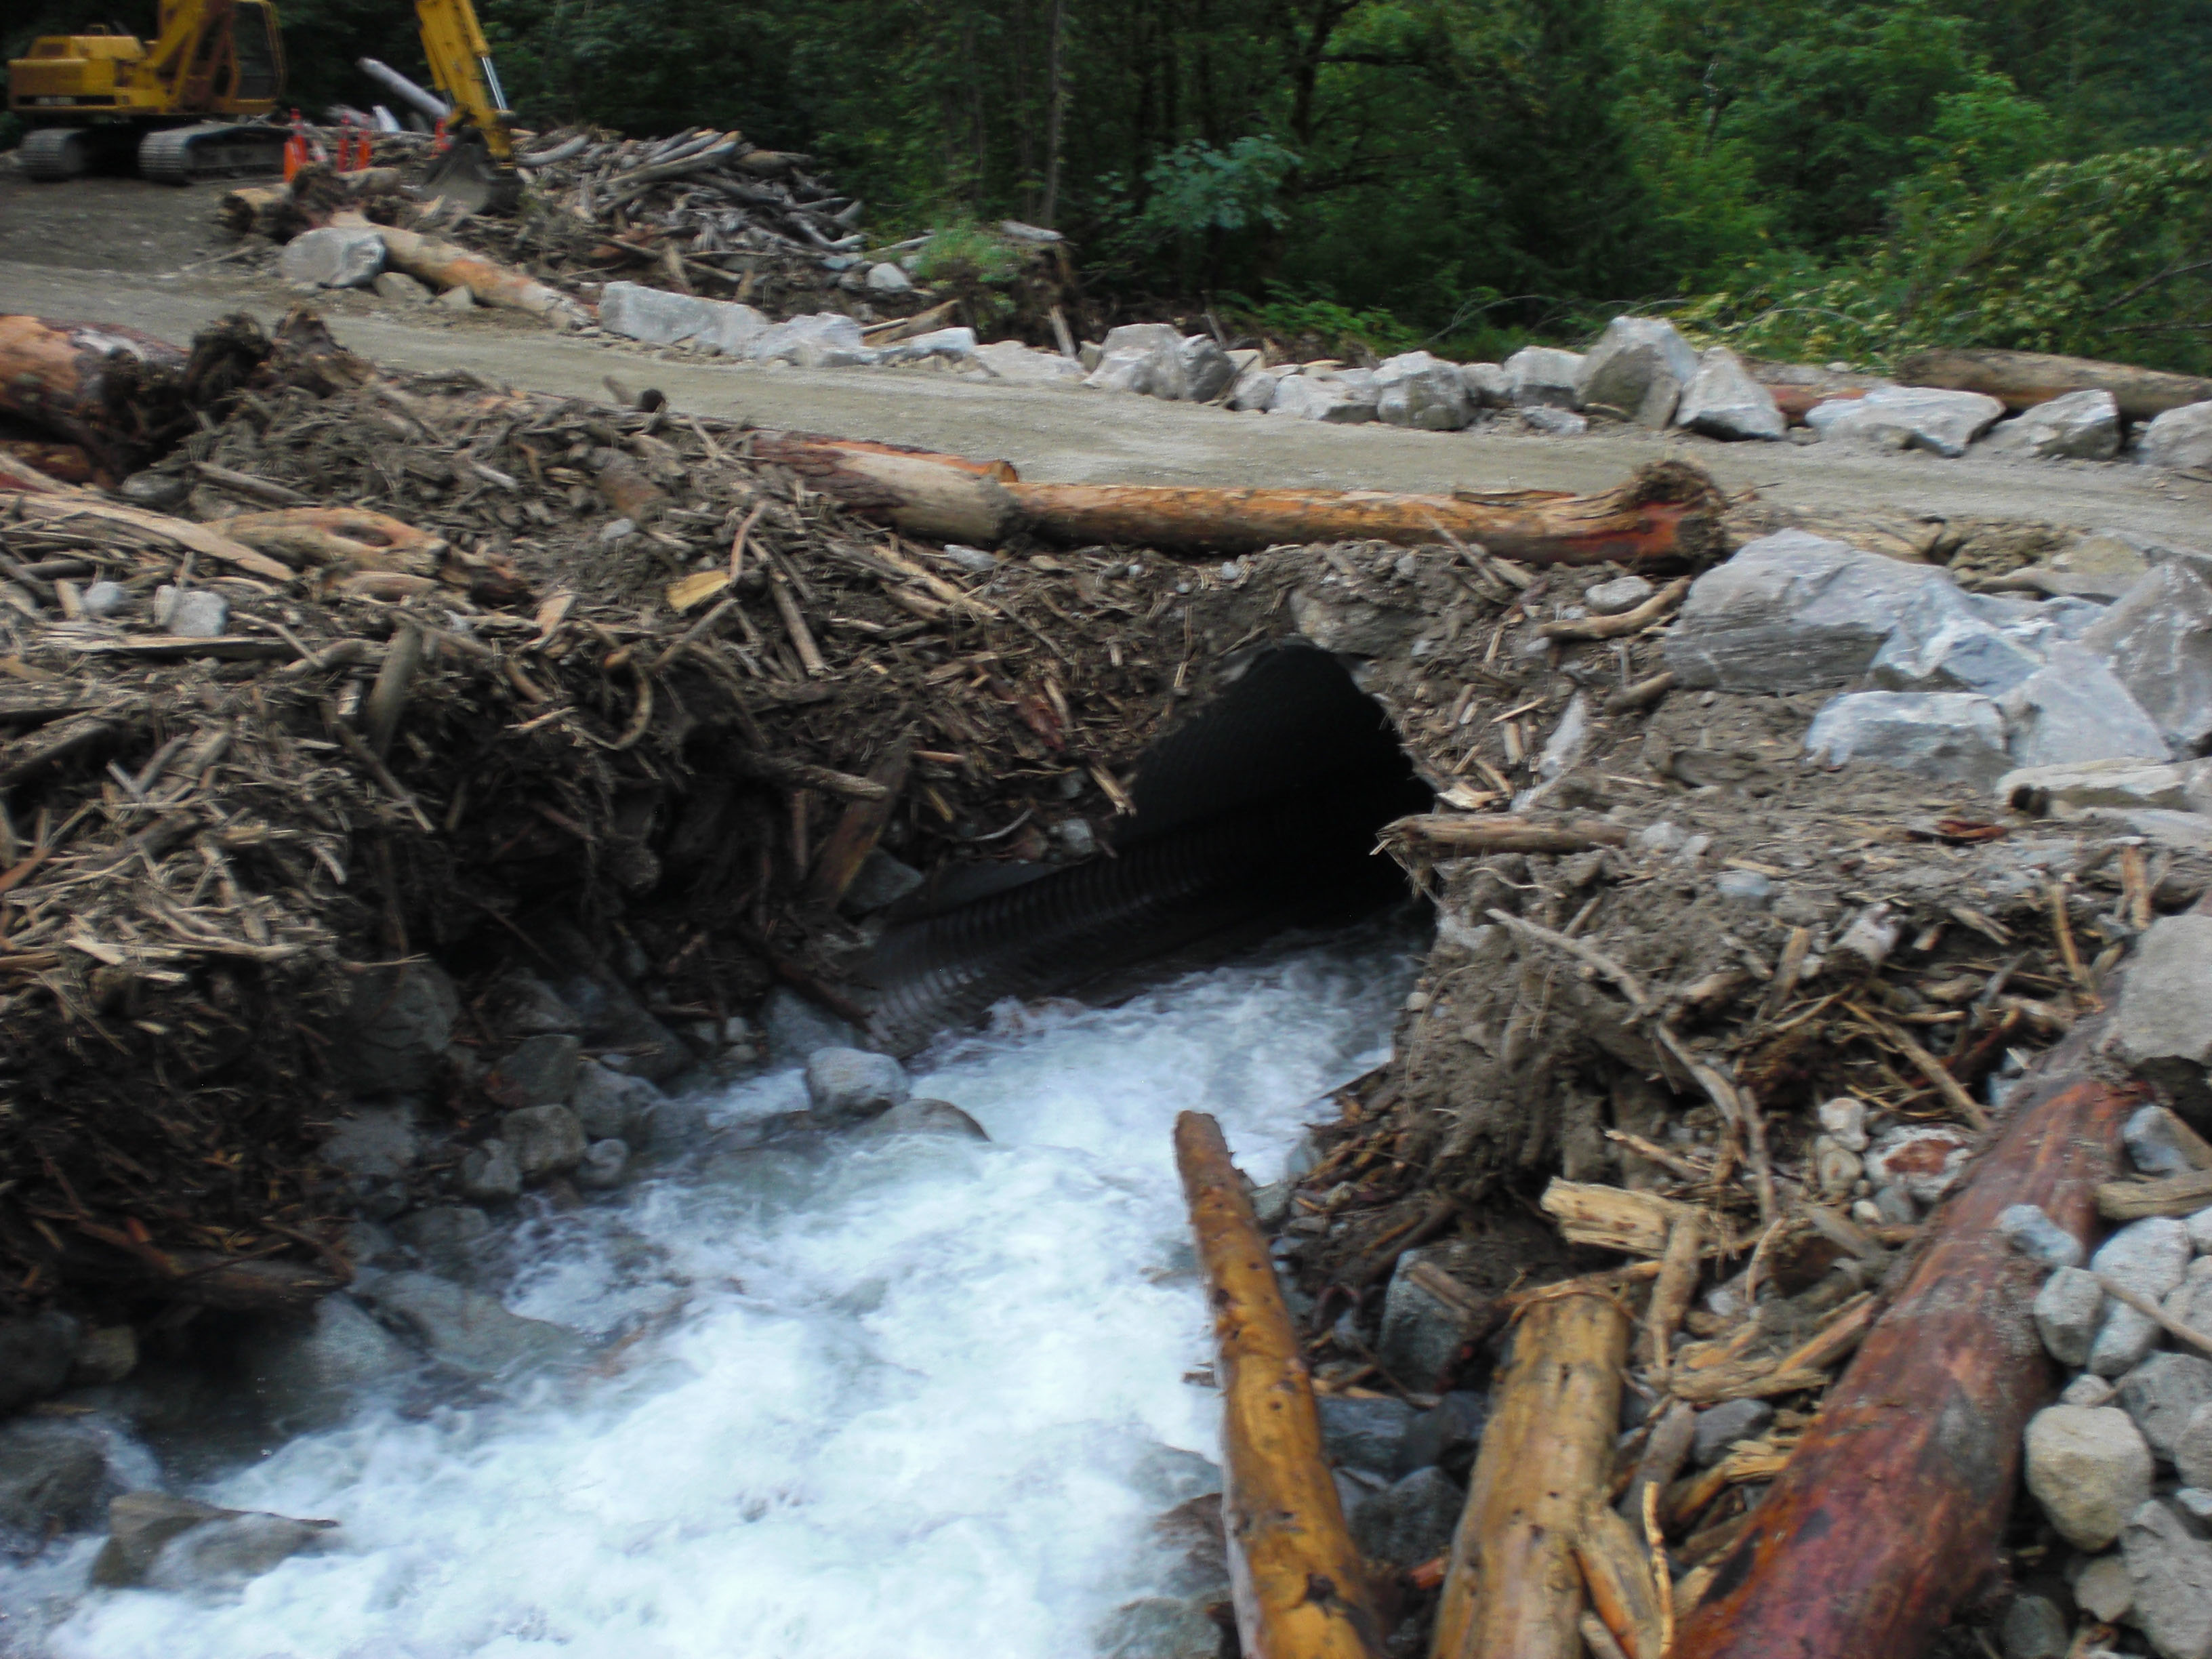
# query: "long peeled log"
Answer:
x=1300 y=1589
x=1666 y=515
x=1512 y=1589
x=114 y=391
x=2024 y=379
x=1888 y=1515
x=446 y=265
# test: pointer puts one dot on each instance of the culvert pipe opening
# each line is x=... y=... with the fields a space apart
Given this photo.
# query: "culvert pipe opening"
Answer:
x=1258 y=812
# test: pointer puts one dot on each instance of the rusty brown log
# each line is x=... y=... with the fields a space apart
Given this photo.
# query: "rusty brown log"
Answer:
x=1472 y=833
x=1301 y=1588
x=447 y=266
x=1886 y=1518
x=2023 y=378
x=115 y=393
x=858 y=828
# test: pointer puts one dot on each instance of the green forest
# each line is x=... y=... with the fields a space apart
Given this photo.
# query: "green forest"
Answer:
x=1819 y=178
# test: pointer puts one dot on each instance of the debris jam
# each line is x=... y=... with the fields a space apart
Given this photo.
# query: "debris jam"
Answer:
x=847 y=1393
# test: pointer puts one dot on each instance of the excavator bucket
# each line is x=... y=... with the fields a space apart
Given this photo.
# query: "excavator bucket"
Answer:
x=467 y=176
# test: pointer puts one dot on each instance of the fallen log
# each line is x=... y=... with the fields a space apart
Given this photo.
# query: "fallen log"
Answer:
x=305 y=536
x=1471 y=833
x=2024 y=379
x=1884 y=1521
x=1300 y=1586
x=116 y=393
x=1513 y=1589
x=1667 y=514
x=64 y=511
x=445 y=266
x=858 y=829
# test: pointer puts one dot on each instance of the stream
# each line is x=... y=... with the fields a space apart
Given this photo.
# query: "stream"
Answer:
x=858 y=1398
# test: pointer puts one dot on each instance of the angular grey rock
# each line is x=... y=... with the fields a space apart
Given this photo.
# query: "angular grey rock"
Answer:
x=2076 y=710
x=2190 y=1302
x=191 y=613
x=526 y=1005
x=1622 y=593
x=443 y=1232
x=1633 y=355
x=885 y=277
x=1207 y=372
x=2153 y=1136
x=2126 y=784
x=1723 y=401
x=1794 y=611
x=52 y=1474
x=2157 y=639
x=489 y=1173
x=2069 y=1310
x=605 y=1163
x=1158 y=1627
x=2033 y=1628
x=2038 y=1238
x=308 y=1371
x=1722 y=1426
x=1488 y=386
x=1417 y=390
x=849 y=1084
x=401 y=288
x=613 y=1105
x=1958 y=642
x=462 y=1327
x=655 y=315
x=2089 y=1469
x=2163 y=1027
x=2149 y=1258
x=333 y=256
x=375 y=1142
x=180 y=1544
x=2170 y=1571
x=1907 y=417
x=927 y=1117
x=1421 y=1337
x=1254 y=390
x=456 y=298
x=2087 y=1390
x=2192 y=1448
x=1411 y=1521
x=1310 y=398
x=826 y=339
x=1843 y=1118
x=35 y=1354
x=2081 y=426
x=795 y=1028
x=881 y=882
x=1448 y=1434
x=952 y=345
x=2102 y=1589
x=107 y=599
x=2163 y=1392
x=1932 y=734
x=540 y=1071
x=2179 y=438
x=1144 y=358
x=1555 y=422
x=1542 y=377
x=394 y=1032
x=546 y=1141
x=1366 y=1434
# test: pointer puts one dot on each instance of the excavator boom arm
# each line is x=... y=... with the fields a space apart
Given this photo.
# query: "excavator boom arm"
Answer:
x=461 y=68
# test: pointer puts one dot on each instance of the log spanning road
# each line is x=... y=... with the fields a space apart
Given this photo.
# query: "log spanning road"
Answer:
x=1057 y=434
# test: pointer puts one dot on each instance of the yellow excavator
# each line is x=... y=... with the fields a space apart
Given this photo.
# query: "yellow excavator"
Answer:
x=196 y=101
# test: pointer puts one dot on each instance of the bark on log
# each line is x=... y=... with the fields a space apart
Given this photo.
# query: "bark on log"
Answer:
x=61 y=512
x=1300 y=1584
x=115 y=393
x=1472 y=833
x=2024 y=379
x=307 y=537
x=1513 y=1589
x=859 y=828
x=1885 y=1519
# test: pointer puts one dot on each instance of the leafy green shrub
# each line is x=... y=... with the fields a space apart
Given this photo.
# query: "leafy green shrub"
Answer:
x=1338 y=330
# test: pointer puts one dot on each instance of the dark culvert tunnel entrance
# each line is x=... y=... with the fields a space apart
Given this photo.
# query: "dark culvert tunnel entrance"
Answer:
x=1256 y=814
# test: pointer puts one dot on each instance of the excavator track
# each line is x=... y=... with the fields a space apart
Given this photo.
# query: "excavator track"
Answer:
x=212 y=149
x=51 y=154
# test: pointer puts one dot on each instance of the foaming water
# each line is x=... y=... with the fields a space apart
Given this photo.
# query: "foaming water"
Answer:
x=890 y=1399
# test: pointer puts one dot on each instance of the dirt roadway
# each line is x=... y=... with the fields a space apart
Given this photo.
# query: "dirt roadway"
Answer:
x=135 y=233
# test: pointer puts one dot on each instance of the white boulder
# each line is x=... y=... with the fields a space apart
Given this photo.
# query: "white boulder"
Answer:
x=1723 y=401
x=1907 y=417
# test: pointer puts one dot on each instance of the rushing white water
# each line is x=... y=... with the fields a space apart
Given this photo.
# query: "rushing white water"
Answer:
x=895 y=1399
